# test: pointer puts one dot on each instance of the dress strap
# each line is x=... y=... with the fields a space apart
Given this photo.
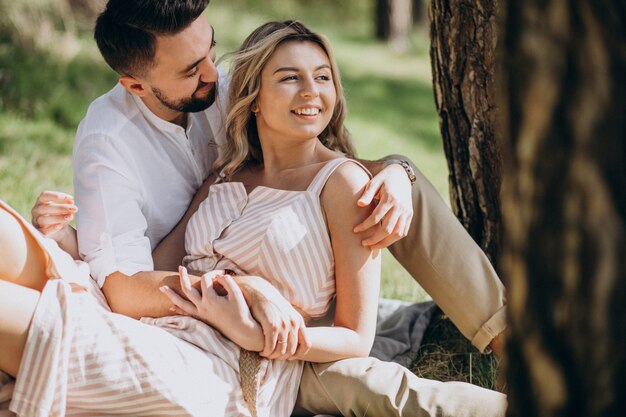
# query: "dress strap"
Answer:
x=318 y=183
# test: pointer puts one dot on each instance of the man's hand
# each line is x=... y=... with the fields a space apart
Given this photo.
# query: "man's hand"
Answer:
x=391 y=219
x=283 y=326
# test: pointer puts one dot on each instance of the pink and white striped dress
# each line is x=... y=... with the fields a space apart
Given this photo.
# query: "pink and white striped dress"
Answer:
x=276 y=234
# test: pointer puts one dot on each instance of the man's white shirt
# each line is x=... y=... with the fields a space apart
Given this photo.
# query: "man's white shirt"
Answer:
x=134 y=177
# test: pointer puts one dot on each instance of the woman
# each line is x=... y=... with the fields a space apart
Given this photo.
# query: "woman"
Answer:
x=284 y=184
x=284 y=205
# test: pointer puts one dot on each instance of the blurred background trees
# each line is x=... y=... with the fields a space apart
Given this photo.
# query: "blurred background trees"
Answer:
x=395 y=19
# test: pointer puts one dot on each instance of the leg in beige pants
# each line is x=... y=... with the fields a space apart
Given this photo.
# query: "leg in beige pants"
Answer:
x=369 y=387
x=447 y=263
x=443 y=258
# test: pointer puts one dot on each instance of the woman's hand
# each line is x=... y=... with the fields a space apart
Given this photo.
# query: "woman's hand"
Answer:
x=220 y=304
x=394 y=211
x=283 y=326
x=52 y=213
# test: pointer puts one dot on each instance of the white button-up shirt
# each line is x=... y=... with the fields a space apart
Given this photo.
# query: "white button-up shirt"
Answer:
x=134 y=177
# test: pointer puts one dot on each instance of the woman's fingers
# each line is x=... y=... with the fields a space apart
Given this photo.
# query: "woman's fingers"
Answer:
x=292 y=344
x=234 y=293
x=289 y=340
x=282 y=342
x=303 y=345
x=271 y=332
x=49 y=221
x=185 y=285
x=55 y=196
x=178 y=301
x=52 y=211
x=46 y=231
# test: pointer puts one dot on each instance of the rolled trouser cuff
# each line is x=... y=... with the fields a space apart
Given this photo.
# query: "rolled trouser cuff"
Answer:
x=489 y=330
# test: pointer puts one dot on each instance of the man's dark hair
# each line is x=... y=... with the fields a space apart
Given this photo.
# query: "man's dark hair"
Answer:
x=126 y=30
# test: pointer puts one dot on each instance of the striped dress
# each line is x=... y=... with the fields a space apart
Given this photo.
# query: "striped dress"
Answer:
x=83 y=360
x=279 y=235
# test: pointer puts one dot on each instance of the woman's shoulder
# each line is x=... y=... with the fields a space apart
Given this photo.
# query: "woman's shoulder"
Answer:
x=348 y=178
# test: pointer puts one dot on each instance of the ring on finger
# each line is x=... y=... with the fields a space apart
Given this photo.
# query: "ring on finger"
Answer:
x=281 y=341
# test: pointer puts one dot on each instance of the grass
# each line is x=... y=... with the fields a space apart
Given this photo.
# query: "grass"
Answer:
x=446 y=355
x=45 y=93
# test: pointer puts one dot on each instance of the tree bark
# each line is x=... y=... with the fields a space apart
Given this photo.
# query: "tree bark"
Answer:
x=563 y=98
x=463 y=38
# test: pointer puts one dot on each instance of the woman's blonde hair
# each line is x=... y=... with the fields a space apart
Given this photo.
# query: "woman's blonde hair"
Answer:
x=242 y=140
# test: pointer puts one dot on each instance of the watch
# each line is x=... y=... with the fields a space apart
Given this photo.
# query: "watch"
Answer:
x=408 y=168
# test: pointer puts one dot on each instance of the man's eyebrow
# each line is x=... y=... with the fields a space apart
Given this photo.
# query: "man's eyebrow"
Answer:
x=294 y=69
x=192 y=65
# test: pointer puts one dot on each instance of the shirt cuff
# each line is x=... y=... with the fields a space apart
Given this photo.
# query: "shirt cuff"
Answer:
x=490 y=329
x=128 y=260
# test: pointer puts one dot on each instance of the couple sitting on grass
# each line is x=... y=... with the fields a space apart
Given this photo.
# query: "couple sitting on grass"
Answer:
x=269 y=213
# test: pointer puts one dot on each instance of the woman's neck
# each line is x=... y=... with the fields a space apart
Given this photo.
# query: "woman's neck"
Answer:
x=278 y=158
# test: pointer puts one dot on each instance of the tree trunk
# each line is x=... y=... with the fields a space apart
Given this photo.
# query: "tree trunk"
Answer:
x=382 y=18
x=563 y=101
x=419 y=13
x=463 y=38
x=401 y=23
x=393 y=23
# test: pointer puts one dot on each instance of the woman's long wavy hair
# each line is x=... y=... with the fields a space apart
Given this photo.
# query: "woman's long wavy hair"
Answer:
x=242 y=140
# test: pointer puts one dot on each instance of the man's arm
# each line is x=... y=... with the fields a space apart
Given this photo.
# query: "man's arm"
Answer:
x=138 y=295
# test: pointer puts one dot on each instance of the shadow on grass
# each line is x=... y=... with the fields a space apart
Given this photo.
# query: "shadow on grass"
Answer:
x=445 y=355
x=406 y=106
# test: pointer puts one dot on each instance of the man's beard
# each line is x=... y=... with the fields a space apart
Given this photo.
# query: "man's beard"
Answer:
x=188 y=105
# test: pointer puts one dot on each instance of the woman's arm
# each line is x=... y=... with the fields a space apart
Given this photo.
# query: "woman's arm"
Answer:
x=357 y=273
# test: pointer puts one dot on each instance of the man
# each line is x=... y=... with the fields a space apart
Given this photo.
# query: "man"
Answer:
x=146 y=146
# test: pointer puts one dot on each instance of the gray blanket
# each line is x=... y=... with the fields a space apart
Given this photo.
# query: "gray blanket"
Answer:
x=400 y=329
